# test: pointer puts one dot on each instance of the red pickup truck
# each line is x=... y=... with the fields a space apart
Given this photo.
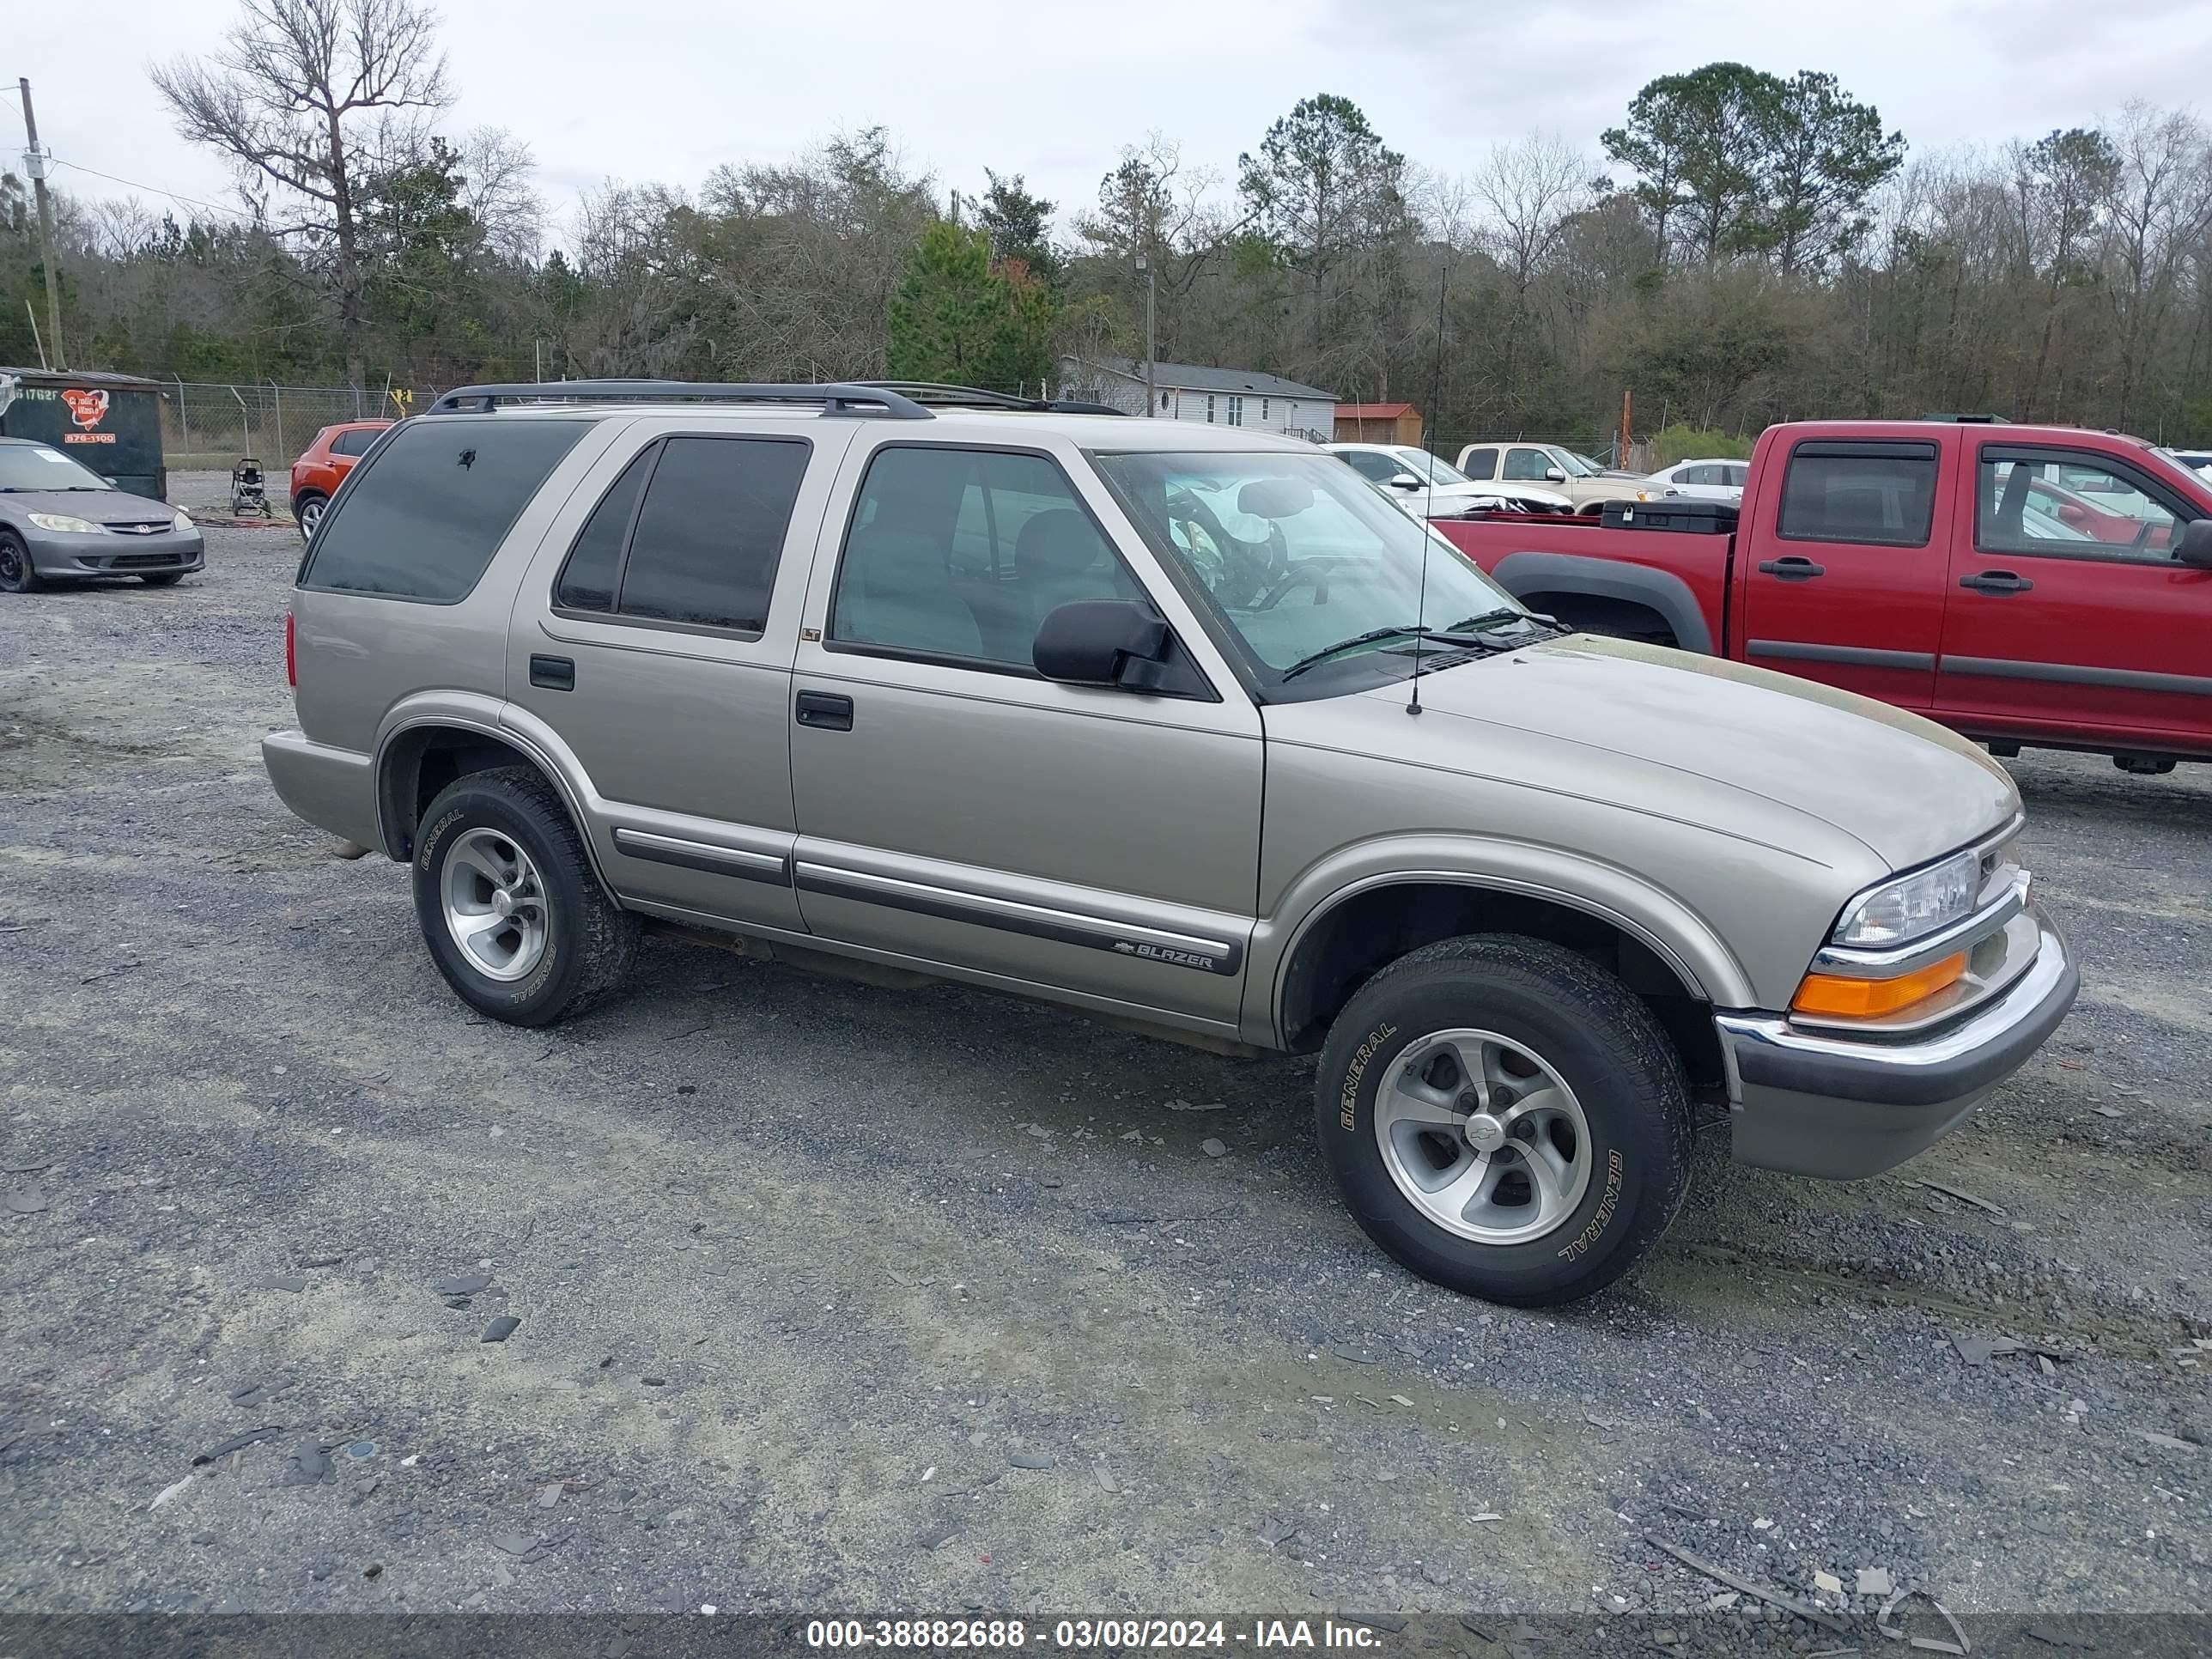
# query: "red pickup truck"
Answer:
x=2024 y=585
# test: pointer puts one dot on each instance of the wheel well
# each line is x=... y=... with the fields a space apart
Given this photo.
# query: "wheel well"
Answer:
x=1370 y=930
x=425 y=760
x=1597 y=613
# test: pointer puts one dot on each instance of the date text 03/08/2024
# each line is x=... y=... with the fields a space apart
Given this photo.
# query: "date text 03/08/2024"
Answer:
x=1008 y=1634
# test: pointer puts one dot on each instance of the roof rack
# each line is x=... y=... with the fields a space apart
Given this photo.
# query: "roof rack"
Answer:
x=967 y=397
x=1969 y=419
x=835 y=398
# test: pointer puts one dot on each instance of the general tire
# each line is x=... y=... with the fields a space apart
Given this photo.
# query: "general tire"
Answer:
x=163 y=579
x=589 y=941
x=1589 y=1028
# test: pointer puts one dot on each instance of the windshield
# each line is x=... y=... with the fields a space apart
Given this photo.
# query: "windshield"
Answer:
x=1574 y=465
x=34 y=466
x=1295 y=554
x=1422 y=464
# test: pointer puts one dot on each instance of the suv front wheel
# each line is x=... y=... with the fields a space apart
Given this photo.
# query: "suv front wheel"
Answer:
x=1506 y=1118
x=513 y=915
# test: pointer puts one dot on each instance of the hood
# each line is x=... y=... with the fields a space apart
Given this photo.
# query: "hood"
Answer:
x=1668 y=731
x=98 y=506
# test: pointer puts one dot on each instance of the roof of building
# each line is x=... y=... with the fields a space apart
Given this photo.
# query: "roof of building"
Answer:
x=1195 y=377
x=1372 y=411
x=44 y=377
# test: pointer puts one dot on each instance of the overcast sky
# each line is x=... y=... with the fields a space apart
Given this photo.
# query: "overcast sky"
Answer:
x=666 y=89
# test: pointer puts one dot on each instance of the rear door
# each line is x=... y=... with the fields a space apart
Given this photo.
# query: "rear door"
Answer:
x=654 y=638
x=2068 y=615
x=1844 y=585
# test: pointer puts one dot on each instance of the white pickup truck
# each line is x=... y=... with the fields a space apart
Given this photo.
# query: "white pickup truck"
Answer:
x=1579 y=479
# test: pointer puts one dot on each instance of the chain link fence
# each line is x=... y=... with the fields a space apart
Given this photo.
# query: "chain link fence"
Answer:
x=210 y=425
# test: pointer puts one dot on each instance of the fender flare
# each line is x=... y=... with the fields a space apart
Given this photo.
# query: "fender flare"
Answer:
x=1697 y=955
x=1569 y=573
x=493 y=719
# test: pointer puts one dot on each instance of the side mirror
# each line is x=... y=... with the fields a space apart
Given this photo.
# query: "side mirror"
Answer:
x=1095 y=641
x=1405 y=481
x=1553 y=475
x=2195 y=545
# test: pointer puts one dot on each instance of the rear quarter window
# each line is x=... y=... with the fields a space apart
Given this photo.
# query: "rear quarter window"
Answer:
x=422 y=520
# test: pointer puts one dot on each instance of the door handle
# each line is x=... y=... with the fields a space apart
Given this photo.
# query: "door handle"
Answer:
x=1997 y=581
x=1792 y=569
x=825 y=711
x=553 y=673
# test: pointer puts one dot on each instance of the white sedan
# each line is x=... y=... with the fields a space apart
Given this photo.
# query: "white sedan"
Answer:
x=1706 y=481
x=1436 y=488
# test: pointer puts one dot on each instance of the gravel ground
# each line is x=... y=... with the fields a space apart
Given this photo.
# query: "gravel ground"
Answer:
x=837 y=1298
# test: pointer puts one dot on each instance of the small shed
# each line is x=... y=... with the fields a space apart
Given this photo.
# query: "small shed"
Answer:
x=1378 y=424
x=110 y=422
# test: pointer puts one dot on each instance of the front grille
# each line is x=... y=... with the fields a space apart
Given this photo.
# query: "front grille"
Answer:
x=153 y=529
x=140 y=560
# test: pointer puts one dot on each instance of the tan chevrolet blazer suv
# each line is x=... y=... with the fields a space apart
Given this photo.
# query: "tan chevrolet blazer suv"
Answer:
x=1182 y=726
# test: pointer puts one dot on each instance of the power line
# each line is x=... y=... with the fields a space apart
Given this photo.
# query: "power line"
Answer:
x=154 y=190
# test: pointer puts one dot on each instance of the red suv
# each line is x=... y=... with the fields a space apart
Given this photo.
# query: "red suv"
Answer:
x=317 y=473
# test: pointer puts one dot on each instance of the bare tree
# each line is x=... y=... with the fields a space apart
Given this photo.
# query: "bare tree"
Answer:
x=1531 y=189
x=2160 y=209
x=497 y=169
x=316 y=98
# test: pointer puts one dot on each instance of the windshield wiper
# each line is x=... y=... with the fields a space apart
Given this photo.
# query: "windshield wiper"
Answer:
x=1490 y=618
x=1373 y=636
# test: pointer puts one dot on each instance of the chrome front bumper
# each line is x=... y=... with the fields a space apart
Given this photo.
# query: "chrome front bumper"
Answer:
x=1812 y=1101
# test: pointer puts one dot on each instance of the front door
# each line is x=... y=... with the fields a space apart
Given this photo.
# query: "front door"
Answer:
x=1845 y=587
x=954 y=806
x=655 y=642
x=2068 y=615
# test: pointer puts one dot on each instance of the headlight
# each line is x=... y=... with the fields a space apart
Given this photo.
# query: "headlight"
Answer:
x=182 y=521
x=62 y=522
x=1912 y=906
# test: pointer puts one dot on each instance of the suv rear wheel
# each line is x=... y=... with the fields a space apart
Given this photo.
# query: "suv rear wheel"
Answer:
x=1506 y=1118
x=513 y=916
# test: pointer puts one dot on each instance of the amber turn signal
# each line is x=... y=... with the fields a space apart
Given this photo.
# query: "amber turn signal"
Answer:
x=1870 y=999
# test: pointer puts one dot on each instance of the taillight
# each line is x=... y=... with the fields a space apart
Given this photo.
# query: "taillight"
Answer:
x=291 y=660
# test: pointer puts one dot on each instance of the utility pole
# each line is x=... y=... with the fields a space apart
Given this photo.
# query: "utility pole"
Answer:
x=34 y=163
x=1152 y=340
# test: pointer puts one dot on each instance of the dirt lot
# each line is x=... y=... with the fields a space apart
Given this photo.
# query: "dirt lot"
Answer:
x=835 y=1298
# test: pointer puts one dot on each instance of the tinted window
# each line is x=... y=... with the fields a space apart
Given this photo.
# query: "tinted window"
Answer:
x=1883 y=494
x=356 y=442
x=587 y=581
x=1737 y=477
x=2028 y=503
x=1481 y=464
x=960 y=553
x=424 y=518
x=1526 y=465
x=1381 y=468
x=711 y=530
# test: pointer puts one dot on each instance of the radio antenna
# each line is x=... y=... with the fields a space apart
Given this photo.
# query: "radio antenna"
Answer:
x=1436 y=402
